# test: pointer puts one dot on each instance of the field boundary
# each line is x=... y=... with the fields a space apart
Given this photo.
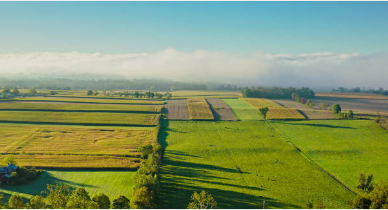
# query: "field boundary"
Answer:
x=81 y=124
x=308 y=158
x=84 y=102
x=66 y=110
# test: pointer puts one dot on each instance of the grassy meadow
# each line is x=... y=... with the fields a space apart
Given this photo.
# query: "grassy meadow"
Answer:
x=112 y=183
x=199 y=109
x=345 y=148
x=79 y=107
x=242 y=110
x=98 y=118
x=242 y=164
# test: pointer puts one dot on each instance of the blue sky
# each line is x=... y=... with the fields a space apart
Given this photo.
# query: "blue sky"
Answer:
x=233 y=27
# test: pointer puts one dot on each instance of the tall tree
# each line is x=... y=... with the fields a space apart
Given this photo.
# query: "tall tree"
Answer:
x=202 y=200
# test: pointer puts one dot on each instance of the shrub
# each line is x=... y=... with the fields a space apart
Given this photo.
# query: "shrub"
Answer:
x=37 y=202
x=350 y=114
x=120 y=202
x=302 y=100
x=158 y=150
x=336 y=108
x=80 y=199
x=145 y=150
x=365 y=182
x=58 y=195
x=16 y=202
x=102 y=201
x=24 y=175
x=202 y=200
x=142 y=198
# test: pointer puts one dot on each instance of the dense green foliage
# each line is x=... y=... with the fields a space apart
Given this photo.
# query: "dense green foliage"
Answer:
x=24 y=175
x=345 y=148
x=376 y=199
x=275 y=92
x=102 y=201
x=120 y=202
x=202 y=200
x=241 y=164
x=336 y=108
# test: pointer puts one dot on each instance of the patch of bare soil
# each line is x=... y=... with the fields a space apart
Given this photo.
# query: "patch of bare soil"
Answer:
x=221 y=110
x=177 y=109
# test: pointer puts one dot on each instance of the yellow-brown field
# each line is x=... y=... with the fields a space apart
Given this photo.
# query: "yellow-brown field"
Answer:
x=261 y=102
x=199 y=109
x=283 y=113
x=74 y=147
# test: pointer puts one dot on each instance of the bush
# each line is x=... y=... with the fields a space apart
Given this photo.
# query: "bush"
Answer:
x=120 y=202
x=142 y=198
x=336 y=108
x=24 y=175
x=202 y=200
x=145 y=150
x=16 y=202
x=350 y=114
x=37 y=202
x=102 y=200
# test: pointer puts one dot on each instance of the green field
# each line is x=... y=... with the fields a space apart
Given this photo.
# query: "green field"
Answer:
x=112 y=183
x=343 y=147
x=242 y=110
x=241 y=164
x=101 y=118
x=87 y=100
x=79 y=107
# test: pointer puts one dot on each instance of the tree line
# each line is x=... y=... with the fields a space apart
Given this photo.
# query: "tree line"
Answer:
x=380 y=91
x=276 y=92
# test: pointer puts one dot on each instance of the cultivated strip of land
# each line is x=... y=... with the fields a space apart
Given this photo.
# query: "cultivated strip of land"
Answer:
x=199 y=109
x=88 y=100
x=177 y=109
x=242 y=110
x=221 y=110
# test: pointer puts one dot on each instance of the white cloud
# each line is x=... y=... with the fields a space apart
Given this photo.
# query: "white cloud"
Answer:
x=313 y=70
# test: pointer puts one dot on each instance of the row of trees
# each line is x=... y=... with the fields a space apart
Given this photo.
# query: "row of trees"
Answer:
x=358 y=90
x=298 y=99
x=144 y=195
x=337 y=110
x=62 y=196
x=133 y=94
x=15 y=92
x=276 y=92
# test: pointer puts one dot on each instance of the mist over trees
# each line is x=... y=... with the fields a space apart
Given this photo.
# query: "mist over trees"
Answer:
x=277 y=92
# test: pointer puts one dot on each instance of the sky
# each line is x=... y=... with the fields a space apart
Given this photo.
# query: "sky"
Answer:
x=192 y=40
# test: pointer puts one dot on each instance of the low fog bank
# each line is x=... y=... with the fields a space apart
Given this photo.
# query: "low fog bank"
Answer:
x=320 y=71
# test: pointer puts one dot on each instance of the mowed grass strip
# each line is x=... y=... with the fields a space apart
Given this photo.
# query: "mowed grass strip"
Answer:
x=241 y=164
x=345 y=148
x=261 y=102
x=66 y=140
x=111 y=183
x=242 y=110
x=76 y=161
x=284 y=113
x=199 y=109
x=88 y=100
x=98 y=118
x=82 y=107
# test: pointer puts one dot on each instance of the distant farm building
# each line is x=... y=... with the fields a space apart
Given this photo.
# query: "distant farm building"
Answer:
x=5 y=173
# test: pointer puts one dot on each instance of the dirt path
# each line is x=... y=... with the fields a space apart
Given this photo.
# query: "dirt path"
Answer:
x=221 y=110
x=177 y=109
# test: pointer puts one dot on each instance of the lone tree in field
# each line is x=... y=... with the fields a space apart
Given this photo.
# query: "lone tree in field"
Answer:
x=89 y=92
x=263 y=111
x=336 y=108
x=350 y=114
x=202 y=200
x=365 y=182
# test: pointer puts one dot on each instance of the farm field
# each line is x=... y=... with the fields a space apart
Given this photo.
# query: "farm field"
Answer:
x=240 y=164
x=80 y=118
x=311 y=114
x=359 y=106
x=221 y=110
x=74 y=147
x=242 y=110
x=351 y=95
x=205 y=93
x=88 y=100
x=261 y=102
x=199 y=109
x=345 y=148
x=79 y=107
x=177 y=109
x=284 y=113
x=120 y=183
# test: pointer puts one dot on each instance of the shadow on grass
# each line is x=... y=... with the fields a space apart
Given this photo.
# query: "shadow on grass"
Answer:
x=180 y=178
x=320 y=125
